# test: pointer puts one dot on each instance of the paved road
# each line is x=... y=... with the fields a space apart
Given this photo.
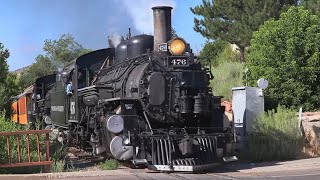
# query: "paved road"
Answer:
x=307 y=169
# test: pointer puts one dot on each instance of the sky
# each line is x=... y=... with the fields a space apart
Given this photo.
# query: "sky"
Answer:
x=26 y=24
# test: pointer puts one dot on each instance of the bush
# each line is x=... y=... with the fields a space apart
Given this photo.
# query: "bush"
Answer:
x=226 y=76
x=275 y=136
x=228 y=54
x=55 y=150
x=211 y=51
x=110 y=164
x=57 y=166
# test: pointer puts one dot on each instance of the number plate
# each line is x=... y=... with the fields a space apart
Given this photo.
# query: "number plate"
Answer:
x=163 y=47
x=178 y=61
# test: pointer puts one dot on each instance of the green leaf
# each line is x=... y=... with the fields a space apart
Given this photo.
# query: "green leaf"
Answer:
x=286 y=53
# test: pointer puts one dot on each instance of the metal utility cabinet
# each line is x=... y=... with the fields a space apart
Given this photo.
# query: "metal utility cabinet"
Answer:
x=247 y=105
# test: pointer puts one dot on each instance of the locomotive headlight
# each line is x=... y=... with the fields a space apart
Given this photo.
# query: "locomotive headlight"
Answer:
x=177 y=46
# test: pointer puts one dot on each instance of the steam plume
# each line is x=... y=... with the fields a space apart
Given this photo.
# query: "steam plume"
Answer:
x=114 y=40
x=141 y=13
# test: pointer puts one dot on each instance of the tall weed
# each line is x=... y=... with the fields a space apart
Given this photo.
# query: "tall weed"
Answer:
x=275 y=136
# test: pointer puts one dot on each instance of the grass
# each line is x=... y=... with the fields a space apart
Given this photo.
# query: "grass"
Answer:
x=57 y=166
x=275 y=136
x=110 y=164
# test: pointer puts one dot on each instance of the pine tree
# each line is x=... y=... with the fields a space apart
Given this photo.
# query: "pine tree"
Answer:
x=235 y=21
x=312 y=5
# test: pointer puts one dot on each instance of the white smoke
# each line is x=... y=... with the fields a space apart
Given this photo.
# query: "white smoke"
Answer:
x=141 y=13
x=115 y=39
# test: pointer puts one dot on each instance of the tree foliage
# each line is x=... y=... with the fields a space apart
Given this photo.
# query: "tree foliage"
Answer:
x=286 y=53
x=235 y=21
x=42 y=67
x=8 y=81
x=312 y=5
x=211 y=51
x=57 y=53
x=4 y=55
x=63 y=50
x=174 y=33
x=9 y=88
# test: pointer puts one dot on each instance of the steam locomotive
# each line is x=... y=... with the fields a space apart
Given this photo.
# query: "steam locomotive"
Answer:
x=146 y=101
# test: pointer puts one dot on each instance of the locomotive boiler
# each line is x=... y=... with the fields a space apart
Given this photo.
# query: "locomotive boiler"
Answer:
x=147 y=101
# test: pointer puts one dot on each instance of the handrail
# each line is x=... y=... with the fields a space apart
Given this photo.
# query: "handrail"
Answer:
x=44 y=131
x=17 y=135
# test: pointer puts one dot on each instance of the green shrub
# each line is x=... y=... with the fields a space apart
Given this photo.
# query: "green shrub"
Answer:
x=57 y=153
x=227 y=71
x=228 y=54
x=227 y=75
x=275 y=136
x=8 y=126
x=110 y=164
x=211 y=52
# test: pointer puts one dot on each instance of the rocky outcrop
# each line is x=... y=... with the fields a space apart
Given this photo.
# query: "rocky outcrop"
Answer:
x=311 y=130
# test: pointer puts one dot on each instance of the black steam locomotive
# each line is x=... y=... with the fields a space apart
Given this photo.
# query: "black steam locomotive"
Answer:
x=147 y=101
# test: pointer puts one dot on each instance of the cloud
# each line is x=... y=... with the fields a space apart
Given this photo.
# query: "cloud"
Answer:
x=141 y=14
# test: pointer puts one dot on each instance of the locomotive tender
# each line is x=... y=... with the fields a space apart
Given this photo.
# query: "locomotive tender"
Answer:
x=147 y=101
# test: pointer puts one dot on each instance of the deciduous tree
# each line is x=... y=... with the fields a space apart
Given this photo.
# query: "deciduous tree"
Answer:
x=4 y=55
x=42 y=67
x=63 y=50
x=286 y=53
x=8 y=89
x=57 y=53
x=8 y=81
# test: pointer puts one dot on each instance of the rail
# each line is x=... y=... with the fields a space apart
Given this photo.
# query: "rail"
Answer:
x=16 y=136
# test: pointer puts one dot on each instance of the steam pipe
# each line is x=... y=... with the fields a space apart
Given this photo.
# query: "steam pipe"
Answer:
x=161 y=24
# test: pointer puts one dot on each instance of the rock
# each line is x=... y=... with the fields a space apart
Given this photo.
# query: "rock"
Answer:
x=312 y=136
x=73 y=150
x=310 y=116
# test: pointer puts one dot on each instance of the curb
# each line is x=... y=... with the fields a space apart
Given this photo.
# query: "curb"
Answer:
x=61 y=175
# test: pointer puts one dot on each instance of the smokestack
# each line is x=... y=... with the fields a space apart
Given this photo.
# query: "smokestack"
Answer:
x=161 y=24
